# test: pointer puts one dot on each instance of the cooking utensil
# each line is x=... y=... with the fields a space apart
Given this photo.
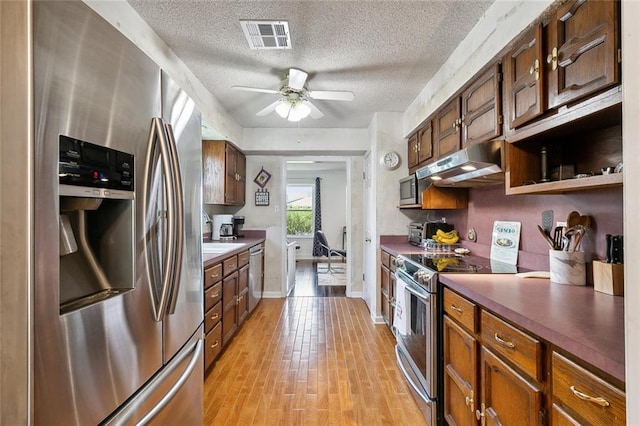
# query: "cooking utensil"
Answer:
x=547 y=221
x=573 y=219
x=577 y=237
x=608 y=240
x=557 y=238
x=546 y=237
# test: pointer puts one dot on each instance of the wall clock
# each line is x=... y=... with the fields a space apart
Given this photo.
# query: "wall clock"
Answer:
x=390 y=160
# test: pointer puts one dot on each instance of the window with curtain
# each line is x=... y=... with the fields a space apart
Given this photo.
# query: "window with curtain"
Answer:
x=300 y=209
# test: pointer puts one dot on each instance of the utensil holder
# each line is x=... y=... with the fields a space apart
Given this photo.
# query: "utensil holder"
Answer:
x=608 y=278
x=567 y=267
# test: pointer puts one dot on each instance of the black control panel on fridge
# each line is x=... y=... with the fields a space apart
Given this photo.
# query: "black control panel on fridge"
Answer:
x=85 y=164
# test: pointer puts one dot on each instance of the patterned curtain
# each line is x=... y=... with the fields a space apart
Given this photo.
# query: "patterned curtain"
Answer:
x=317 y=221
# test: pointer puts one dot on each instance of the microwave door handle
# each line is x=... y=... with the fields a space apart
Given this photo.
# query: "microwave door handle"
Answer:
x=179 y=222
x=157 y=137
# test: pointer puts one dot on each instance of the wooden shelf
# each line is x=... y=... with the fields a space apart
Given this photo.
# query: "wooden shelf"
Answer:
x=568 y=185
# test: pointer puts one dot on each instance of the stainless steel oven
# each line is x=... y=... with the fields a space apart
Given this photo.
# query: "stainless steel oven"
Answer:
x=418 y=333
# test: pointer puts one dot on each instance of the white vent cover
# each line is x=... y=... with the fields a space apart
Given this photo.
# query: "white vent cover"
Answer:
x=267 y=34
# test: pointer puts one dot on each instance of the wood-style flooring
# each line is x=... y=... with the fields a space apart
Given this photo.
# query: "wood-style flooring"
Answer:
x=307 y=282
x=309 y=361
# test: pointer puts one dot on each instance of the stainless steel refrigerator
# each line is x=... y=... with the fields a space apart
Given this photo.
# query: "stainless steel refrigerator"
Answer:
x=118 y=278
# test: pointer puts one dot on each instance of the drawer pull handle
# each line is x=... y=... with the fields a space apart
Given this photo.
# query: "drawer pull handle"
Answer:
x=455 y=308
x=215 y=316
x=214 y=276
x=469 y=401
x=504 y=342
x=599 y=400
x=214 y=295
x=214 y=345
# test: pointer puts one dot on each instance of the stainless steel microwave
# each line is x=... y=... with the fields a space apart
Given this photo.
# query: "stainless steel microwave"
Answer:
x=411 y=190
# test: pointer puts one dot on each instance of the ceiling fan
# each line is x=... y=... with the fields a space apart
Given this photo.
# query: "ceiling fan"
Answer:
x=295 y=100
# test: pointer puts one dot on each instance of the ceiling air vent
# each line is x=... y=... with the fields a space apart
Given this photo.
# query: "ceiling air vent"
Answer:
x=267 y=34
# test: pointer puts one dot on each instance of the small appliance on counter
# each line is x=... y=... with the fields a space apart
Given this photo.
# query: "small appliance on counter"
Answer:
x=226 y=232
x=419 y=232
x=216 y=227
x=238 y=221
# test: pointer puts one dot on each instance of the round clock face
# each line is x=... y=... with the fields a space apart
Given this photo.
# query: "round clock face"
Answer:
x=390 y=160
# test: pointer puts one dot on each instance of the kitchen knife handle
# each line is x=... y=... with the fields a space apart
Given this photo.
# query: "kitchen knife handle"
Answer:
x=609 y=248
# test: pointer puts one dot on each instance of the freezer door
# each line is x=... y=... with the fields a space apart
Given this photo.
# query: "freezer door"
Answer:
x=174 y=396
x=185 y=310
x=93 y=84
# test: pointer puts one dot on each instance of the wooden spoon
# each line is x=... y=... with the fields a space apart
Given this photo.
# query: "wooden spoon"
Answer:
x=585 y=221
x=573 y=219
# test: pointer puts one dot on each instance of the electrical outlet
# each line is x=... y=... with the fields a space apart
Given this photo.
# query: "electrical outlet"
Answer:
x=561 y=224
x=471 y=235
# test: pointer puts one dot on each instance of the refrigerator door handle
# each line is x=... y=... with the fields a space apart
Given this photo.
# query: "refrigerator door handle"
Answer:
x=195 y=358
x=157 y=137
x=179 y=223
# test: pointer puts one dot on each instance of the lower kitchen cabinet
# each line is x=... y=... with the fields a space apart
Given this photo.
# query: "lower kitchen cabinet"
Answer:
x=387 y=287
x=243 y=294
x=213 y=313
x=229 y=307
x=496 y=372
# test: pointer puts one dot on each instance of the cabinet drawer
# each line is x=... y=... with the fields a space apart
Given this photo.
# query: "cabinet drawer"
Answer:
x=460 y=309
x=212 y=275
x=229 y=265
x=212 y=296
x=590 y=397
x=213 y=345
x=212 y=317
x=243 y=258
x=384 y=258
x=516 y=346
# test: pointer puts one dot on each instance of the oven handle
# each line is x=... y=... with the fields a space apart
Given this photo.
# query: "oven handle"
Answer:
x=416 y=291
x=408 y=377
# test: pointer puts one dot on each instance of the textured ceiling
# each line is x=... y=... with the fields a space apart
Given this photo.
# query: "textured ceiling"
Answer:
x=383 y=51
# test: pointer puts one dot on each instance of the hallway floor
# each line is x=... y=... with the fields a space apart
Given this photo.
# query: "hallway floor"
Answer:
x=309 y=360
x=307 y=282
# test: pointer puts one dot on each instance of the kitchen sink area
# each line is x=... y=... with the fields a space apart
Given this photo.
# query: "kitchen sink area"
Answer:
x=220 y=247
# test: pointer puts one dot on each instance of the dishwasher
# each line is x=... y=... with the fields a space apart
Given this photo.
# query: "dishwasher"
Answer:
x=256 y=282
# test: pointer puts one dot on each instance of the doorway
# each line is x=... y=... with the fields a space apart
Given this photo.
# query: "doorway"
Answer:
x=306 y=273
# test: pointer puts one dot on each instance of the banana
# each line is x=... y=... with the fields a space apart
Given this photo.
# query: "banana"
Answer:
x=442 y=263
x=450 y=237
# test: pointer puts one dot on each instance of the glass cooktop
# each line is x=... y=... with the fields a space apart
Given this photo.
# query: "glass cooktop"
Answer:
x=462 y=264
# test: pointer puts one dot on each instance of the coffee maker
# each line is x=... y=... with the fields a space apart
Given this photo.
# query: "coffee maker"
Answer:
x=238 y=221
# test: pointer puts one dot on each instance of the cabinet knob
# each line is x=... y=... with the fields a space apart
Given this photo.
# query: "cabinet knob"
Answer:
x=469 y=401
x=552 y=58
x=480 y=415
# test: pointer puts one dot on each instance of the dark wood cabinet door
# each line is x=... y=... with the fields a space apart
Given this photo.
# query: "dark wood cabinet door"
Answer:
x=241 y=170
x=412 y=151
x=524 y=79
x=447 y=128
x=385 y=290
x=460 y=375
x=582 y=52
x=229 y=307
x=213 y=172
x=507 y=397
x=230 y=180
x=243 y=294
x=425 y=144
x=482 y=108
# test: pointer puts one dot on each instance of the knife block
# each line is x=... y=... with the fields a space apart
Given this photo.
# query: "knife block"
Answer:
x=608 y=278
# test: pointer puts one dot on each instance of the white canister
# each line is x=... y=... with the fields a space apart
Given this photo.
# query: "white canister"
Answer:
x=567 y=267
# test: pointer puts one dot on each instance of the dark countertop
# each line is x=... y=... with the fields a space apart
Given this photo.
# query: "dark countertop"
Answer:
x=576 y=319
x=211 y=259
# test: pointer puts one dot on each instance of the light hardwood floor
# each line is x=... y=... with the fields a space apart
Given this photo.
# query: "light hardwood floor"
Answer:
x=309 y=360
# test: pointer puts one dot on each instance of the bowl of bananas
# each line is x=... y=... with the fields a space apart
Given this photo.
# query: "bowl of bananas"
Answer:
x=443 y=241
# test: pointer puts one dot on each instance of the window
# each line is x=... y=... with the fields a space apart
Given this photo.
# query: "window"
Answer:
x=300 y=210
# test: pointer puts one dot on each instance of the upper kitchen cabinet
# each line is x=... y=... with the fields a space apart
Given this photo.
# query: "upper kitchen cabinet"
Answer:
x=447 y=123
x=420 y=148
x=224 y=174
x=579 y=58
x=482 y=108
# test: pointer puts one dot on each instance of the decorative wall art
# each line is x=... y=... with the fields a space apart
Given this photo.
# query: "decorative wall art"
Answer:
x=262 y=197
x=262 y=177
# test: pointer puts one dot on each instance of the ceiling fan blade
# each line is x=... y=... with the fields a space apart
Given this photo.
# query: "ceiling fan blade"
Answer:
x=254 y=89
x=331 y=95
x=315 y=112
x=297 y=78
x=269 y=109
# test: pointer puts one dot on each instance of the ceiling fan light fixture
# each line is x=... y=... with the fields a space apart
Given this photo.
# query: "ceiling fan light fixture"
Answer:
x=298 y=112
x=283 y=109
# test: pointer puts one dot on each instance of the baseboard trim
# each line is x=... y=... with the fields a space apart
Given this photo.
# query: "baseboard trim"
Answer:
x=272 y=295
x=377 y=319
x=355 y=294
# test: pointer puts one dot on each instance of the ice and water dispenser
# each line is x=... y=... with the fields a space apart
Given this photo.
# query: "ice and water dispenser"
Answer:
x=96 y=195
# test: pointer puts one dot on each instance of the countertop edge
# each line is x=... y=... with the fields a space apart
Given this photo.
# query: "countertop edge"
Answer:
x=211 y=259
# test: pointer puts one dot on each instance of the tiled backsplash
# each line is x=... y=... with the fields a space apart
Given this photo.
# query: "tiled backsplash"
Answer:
x=489 y=204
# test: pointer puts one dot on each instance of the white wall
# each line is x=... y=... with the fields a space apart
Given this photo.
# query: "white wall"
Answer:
x=500 y=24
x=333 y=192
x=631 y=154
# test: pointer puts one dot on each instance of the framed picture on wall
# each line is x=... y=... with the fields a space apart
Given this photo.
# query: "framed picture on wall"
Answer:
x=262 y=178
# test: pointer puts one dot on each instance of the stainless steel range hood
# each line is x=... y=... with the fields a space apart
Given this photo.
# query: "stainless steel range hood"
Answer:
x=477 y=165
